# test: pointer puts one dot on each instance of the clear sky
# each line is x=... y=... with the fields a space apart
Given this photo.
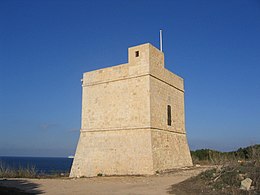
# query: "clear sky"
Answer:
x=46 y=46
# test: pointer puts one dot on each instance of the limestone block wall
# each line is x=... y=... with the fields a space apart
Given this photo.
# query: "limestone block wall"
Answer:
x=118 y=104
x=169 y=142
x=125 y=152
x=162 y=95
x=115 y=137
x=170 y=150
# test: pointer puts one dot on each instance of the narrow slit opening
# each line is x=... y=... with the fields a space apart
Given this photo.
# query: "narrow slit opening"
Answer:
x=169 y=115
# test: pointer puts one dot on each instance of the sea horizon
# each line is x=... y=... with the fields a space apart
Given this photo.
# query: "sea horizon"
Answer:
x=46 y=165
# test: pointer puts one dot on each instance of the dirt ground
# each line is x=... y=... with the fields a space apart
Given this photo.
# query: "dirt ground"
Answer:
x=134 y=185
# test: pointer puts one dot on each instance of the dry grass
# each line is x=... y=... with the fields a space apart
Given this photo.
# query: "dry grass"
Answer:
x=8 y=172
x=27 y=172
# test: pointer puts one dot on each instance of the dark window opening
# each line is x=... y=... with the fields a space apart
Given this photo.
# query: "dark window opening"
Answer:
x=137 y=54
x=169 y=115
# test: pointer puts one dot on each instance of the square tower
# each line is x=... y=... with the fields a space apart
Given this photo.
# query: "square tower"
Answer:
x=132 y=118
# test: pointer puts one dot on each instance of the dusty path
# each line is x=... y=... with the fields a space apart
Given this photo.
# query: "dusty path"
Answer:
x=158 y=184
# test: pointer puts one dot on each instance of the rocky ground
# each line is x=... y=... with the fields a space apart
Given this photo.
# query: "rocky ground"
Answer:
x=231 y=179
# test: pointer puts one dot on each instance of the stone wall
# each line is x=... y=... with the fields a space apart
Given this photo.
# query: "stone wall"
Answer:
x=116 y=104
x=118 y=152
x=162 y=95
x=170 y=150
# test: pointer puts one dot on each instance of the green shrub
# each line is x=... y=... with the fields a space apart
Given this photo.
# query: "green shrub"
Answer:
x=208 y=156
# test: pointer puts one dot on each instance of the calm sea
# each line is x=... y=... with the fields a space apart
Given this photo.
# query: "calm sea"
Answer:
x=42 y=164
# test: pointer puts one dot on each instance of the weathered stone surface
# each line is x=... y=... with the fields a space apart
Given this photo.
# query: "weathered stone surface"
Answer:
x=124 y=128
x=241 y=176
x=245 y=184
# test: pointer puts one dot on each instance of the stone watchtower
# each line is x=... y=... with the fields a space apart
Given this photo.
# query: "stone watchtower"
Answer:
x=132 y=118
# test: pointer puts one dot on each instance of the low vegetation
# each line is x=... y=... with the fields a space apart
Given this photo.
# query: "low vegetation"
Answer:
x=27 y=172
x=207 y=156
x=225 y=179
x=8 y=172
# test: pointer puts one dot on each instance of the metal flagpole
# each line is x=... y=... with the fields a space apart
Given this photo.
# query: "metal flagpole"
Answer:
x=161 y=40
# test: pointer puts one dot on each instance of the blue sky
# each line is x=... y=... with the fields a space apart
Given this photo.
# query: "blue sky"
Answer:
x=45 y=46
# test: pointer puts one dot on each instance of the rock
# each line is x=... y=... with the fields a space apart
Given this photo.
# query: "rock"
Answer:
x=252 y=188
x=241 y=176
x=245 y=184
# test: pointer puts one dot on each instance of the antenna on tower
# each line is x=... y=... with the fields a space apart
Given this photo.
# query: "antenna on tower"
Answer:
x=161 y=40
